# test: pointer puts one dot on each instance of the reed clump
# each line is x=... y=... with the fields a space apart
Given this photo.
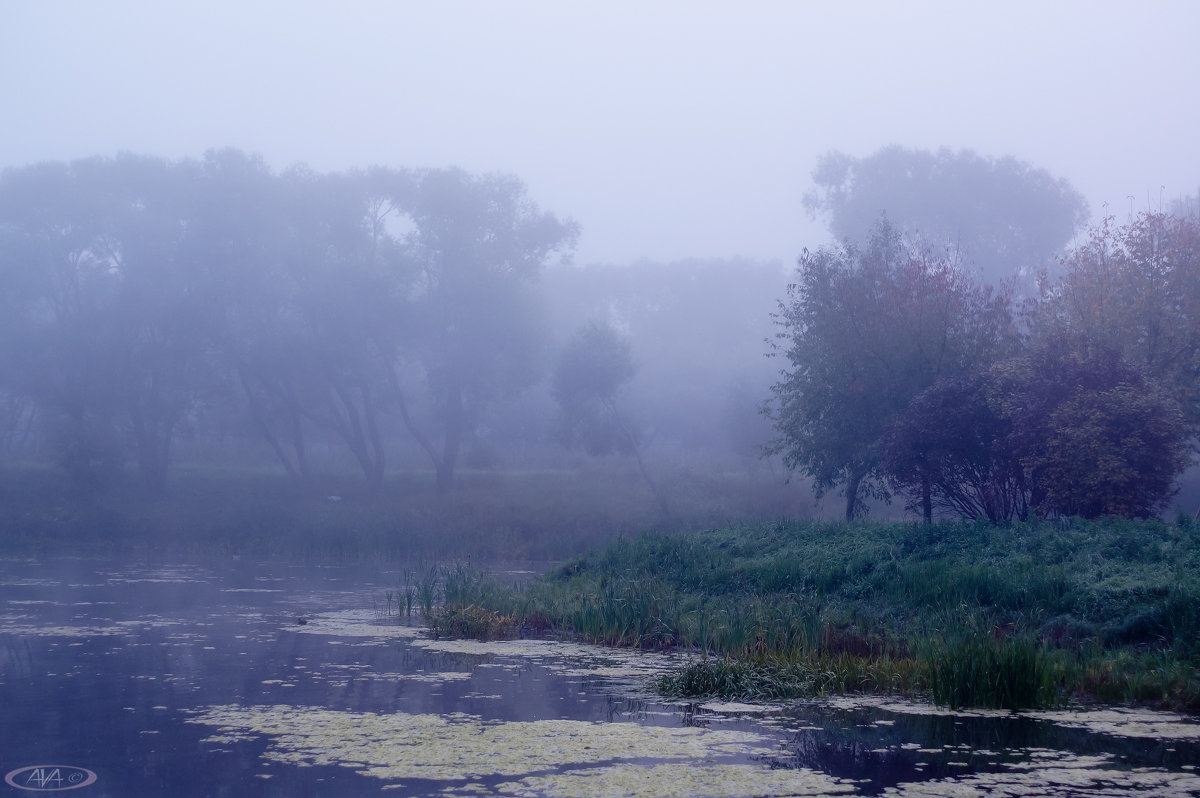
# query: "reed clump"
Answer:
x=473 y=622
x=985 y=671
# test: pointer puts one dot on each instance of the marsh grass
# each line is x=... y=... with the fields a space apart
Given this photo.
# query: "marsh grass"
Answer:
x=428 y=588
x=472 y=621
x=973 y=670
x=726 y=677
x=970 y=615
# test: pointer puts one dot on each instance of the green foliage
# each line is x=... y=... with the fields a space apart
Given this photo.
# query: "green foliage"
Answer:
x=427 y=584
x=949 y=450
x=972 y=614
x=864 y=330
x=904 y=377
x=1113 y=452
x=1135 y=290
x=1094 y=435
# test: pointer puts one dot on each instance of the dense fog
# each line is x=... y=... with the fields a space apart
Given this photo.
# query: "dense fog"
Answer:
x=392 y=239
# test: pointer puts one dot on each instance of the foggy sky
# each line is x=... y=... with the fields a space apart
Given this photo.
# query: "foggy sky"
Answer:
x=667 y=129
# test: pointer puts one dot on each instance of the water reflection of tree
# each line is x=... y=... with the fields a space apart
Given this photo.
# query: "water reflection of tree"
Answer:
x=851 y=745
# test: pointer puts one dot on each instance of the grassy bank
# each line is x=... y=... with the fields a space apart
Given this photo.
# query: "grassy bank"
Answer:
x=968 y=614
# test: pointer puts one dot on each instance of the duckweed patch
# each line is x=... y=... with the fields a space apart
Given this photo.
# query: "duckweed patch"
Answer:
x=559 y=757
x=352 y=623
x=572 y=659
x=1127 y=723
x=677 y=781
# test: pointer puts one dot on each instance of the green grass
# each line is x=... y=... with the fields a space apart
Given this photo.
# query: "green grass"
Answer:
x=967 y=614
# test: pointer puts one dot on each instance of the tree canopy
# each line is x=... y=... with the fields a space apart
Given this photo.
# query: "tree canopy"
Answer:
x=144 y=294
x=1003 y=215
x=864 y=330
x=1134 y=289
x=907 y=377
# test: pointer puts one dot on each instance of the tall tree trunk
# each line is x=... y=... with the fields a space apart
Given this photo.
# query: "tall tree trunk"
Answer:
x=295 y=465
x=153 y=425
x=374 y=439
x=349 y=422
x=411 y=425
x=927 y=498
x=452 y=440
x=852 y=495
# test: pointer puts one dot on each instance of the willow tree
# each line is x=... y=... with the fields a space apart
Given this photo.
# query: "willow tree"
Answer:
x=116 y=313
x=477 y=324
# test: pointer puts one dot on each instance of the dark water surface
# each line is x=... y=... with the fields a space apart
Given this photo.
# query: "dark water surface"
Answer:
x=198 y=680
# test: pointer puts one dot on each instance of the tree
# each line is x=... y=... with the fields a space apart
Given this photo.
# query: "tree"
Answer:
x=592 y=369
x=864 y=330
x=1092 y=418
x=348 y=293
x=163 y=323
x=57 y=282
x=115 y=318
x=697 y=326
x=255 y=232
x=314 y=293
x=1002 y=215
x=950 y=449
x=1135 y=290
x=1094 y=434
x=478 y=247
x=1113 y=452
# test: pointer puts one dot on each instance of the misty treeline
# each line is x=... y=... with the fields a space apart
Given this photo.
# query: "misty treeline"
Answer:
x=1005 y=218
x=380 y=318
x=906 y=374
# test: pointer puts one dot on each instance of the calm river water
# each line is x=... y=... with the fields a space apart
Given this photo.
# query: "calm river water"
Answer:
x=199 y=680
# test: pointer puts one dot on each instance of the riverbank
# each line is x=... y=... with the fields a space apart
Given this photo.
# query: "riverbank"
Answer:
x=966 y=614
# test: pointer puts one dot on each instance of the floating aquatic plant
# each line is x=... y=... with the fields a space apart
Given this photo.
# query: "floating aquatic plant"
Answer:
x=557 y=757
